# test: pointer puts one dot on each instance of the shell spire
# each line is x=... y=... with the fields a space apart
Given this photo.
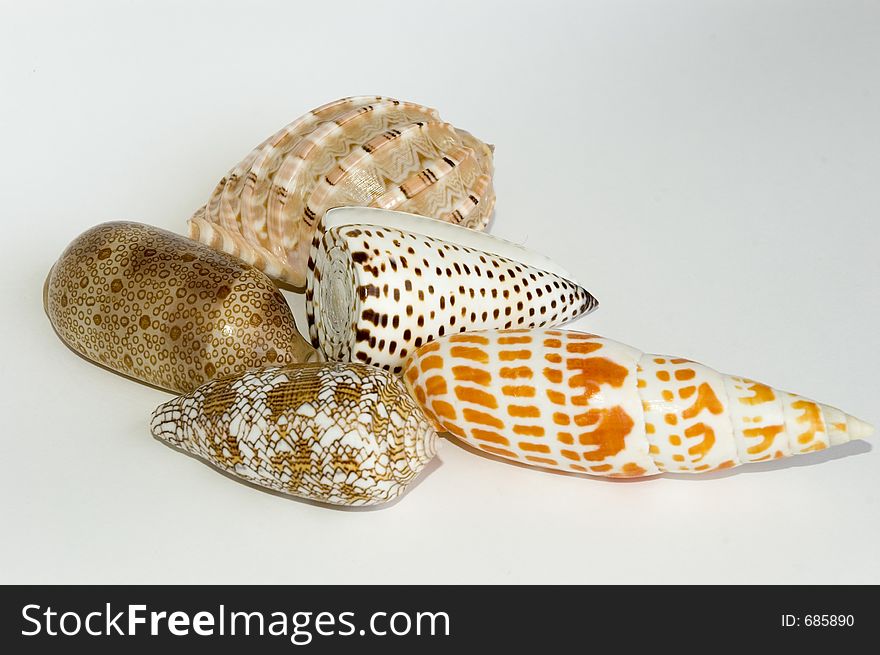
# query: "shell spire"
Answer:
x=363 y=151
x=579 y=402
x=344 y=434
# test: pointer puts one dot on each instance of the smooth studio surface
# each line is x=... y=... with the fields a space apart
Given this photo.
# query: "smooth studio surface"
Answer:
x=708 y=170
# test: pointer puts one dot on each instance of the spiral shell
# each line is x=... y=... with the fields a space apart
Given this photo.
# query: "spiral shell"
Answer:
x=365 y=150
x=383 y=283
x=579 y=402
x=166 y=310
x=345 y=434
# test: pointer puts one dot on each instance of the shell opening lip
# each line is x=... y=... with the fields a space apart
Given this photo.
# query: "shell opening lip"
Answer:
x=437 y=229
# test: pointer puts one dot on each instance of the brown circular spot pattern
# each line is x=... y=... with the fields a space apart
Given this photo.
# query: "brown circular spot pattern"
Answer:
x=167 y=310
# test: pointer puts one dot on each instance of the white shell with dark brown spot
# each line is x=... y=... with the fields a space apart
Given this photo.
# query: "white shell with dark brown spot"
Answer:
x=383 y=283
x=360 y=151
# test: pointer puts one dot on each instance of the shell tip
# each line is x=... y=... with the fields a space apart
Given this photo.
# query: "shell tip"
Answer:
x=857 y=428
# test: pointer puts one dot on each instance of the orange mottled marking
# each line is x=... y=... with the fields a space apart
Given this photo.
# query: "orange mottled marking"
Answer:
x=554 y=375
x=436 y=385
x=663 y=376
x=470 y=352
x=675 y=440
x=432 y=362
x=552 y=343
x=511 y=355
x=482 y=418
x=702 y=467
x=687 y=392
x=412 y=374
x=529 y=430
x=613 y=425
x=577 y=467
x=706 y=399
x=659 y=360
x=683 y=374
x=561 y=419
x=583 y=348
x=668 y=396
x=475 y=416
x=631 y=469
x=553 y=358
x=565 y=437
x=725 y=465
x=431 y=347
x=444 y=409
x=601 y=468
x=579 y=335
x=679 y=360
x=508 y=340
x=678 y=458
x=470 y=374
x=449 y=426
x=420 y=395
x=812 y=416
x=699 y=450
x=641 y=384
x=490 y=436
x=469 y=338
x=587 y=418
x=542 y=460
x=654 y=450
x=555 y=397
x=840 y=427
x=761 y=393
x=518 y=391
x=476 y=396
x=512 y=373
x=593 y=372
x=649 y=428
x=816 y=446
x=767 y=434
x=570 y=454
x=671 y=419
x=534 y=447
x=524 y=411
x=494 y=450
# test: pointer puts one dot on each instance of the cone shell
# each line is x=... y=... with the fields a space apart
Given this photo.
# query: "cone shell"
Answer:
x=383 y=283
x=345 y=434
x=167 y=310
x=363 y=151
x=579 y=402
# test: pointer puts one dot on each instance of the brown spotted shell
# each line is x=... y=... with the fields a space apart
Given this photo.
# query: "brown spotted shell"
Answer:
x=167 y=310
x=360 y=151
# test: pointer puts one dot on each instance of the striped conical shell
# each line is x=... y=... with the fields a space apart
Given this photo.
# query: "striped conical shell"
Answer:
x=363 y=151
x=579 y=402
x=345 y=434
x=383 y=283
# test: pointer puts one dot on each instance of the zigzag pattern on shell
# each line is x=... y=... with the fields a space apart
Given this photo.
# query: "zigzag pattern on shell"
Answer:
x=361 y=151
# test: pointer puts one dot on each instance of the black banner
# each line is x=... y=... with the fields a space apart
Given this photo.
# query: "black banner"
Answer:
x=432 y=619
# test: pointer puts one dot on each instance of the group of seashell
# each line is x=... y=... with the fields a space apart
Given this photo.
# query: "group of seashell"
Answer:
x=419 y=323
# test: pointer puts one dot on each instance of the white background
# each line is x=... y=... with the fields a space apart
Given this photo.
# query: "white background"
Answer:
x=708 y=169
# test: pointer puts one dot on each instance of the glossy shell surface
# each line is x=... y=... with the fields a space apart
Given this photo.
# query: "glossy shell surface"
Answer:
x=383 y=283
x=578 y=402
x=344 y=434
x=167 y=310
x=362 y=151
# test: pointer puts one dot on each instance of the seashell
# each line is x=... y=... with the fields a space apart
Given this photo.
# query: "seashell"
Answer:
x=166 y=310
x=383 y=283
x=365 y=150
x=345 y=434
x=579 y=402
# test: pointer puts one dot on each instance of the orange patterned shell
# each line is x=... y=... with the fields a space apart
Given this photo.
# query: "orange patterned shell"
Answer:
x=360 y=151
x=579 y=402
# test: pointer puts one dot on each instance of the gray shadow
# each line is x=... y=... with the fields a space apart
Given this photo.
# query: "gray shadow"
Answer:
x=858 y=447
